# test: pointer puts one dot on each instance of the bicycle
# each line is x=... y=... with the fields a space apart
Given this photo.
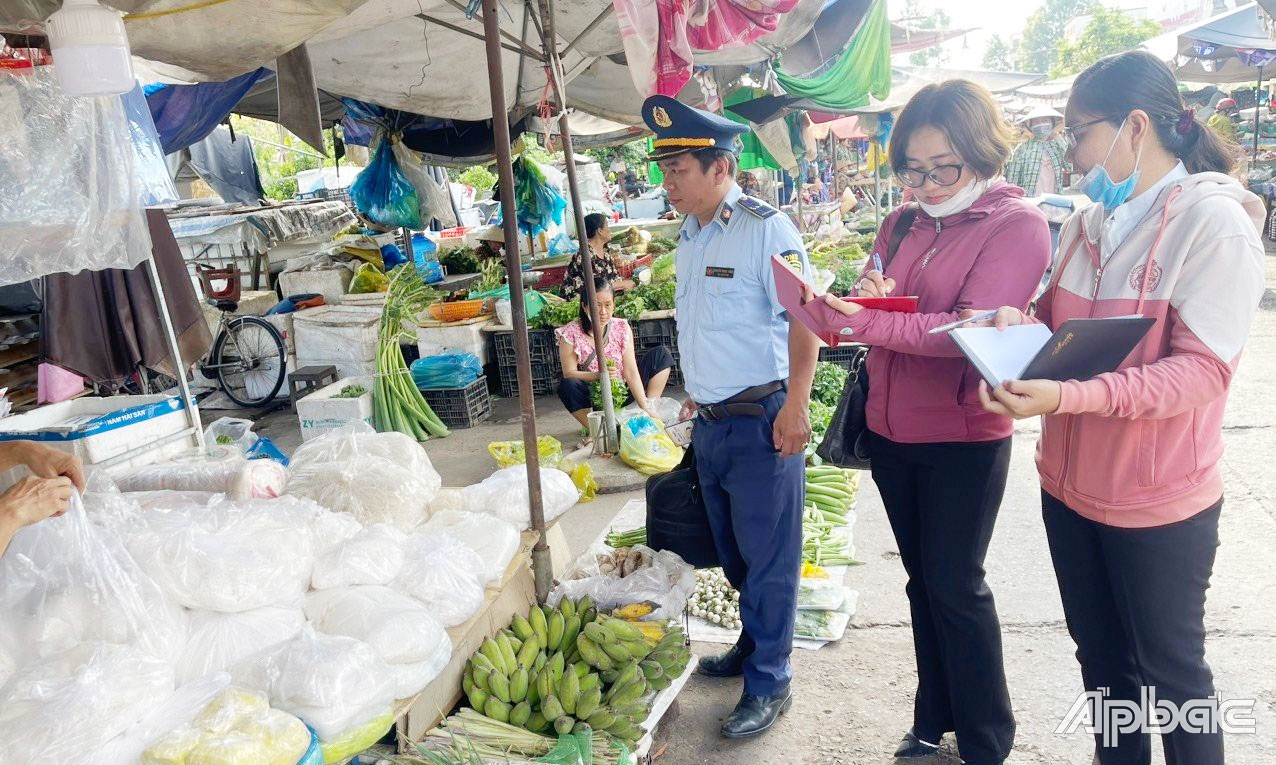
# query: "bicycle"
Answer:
x=247 y=357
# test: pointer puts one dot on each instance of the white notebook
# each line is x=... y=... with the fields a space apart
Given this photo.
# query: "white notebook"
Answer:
x=1078 y=350
x=998 y=355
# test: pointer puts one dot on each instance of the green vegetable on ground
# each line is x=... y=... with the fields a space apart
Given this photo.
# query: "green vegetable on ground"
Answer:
x=351 y=391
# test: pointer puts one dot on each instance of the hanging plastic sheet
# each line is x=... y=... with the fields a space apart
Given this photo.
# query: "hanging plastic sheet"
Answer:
x=864 y=68
x=186 y=114
x=71 y=196
x=148 y=157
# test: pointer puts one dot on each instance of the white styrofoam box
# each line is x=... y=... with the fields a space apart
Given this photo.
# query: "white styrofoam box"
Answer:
x=344 y=332
x=319 y=412
x=432 y=341
x=97 y=429
x=254 y=302
x=332 y=283
x=365 y=299
x=345 y=367
x=283 y=323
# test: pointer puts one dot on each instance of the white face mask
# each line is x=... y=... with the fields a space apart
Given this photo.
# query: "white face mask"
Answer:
x=959 y=202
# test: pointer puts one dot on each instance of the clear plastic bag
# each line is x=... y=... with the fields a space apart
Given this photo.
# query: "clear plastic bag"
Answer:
x=376 y=477
x=495 y=540
x=70 y=704
x=329 y=529
x=504 y=494
x=177 y=710
x=450 y=498
x=236 y=727
x=646 y=447
x=346 y=745
x=218 y=641
x=237 y=477
x=444 y=574
x=65 y=581
x=368 y=278
x=333 y=683
x=373 y=556
x=509 y=453
x=667 y=410
x=667 y=582
x=71 y=200
x=415 y=676
x=231 y=431
x=398 y=628
x=227 y=556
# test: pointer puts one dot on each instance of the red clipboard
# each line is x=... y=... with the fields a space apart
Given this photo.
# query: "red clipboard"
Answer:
x=818 y=316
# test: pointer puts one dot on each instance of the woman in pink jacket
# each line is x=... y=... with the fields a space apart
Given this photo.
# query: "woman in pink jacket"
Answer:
x=1131 y=488
x=939 y=460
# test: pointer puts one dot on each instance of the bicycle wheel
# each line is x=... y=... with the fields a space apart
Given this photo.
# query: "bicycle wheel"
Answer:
x=248 y=356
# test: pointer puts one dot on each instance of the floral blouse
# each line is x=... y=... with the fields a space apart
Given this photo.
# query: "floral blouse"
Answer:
x=583 y=342
x=574 y=281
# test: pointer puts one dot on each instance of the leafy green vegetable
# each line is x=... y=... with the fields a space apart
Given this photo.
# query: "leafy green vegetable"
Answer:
x=662 y=269
x=630 y=305
x=351 y=391
x=460 y=261
x=493 y=276
x=845 y=276
x=619 y=389
x=829 y=381
x=556 y=314
x=224 y=440
x=821 y=415
x=659 y=244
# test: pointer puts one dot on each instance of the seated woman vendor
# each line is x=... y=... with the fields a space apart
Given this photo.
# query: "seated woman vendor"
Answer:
x=645 y=377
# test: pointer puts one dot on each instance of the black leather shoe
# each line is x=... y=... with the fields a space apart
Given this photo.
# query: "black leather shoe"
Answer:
x=754 y=714
x=729 y=664
x=913 y=747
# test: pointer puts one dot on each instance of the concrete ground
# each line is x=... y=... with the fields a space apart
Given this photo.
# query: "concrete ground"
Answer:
x=854 y=698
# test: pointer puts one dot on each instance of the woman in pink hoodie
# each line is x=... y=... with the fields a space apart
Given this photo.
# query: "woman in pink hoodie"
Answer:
x=939 y=460
x=1131 y=487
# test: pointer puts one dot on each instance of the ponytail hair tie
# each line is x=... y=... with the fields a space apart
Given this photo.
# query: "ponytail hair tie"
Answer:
x=1186 y=120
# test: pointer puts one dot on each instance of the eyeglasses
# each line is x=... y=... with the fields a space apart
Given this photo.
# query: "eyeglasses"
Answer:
x=1070 y=133
x=942 y=175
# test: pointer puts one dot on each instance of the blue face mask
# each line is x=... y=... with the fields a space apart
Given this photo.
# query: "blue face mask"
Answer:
x=1100 y=187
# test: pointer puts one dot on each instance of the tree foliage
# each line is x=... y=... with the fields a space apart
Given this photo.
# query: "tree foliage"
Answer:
x=1108 y=31
x=917 y=16
x=1041 y=34
x=997 y=55
x=279 y=167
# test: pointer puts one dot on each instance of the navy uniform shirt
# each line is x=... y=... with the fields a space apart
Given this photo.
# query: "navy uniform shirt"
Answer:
x=732 y=330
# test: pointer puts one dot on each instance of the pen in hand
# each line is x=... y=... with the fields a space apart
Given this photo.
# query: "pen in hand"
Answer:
x=877 y=264
x=985 y=316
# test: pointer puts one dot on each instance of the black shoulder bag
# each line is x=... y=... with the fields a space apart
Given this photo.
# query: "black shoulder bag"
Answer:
x=846 y=442
x=677 y=519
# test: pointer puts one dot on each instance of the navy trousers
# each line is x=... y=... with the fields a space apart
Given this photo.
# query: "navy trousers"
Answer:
x=754 y=499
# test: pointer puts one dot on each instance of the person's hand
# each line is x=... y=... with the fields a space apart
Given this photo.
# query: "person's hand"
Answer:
x=33 y=499
x=874 y=284
x=47 y=462
x=842 y=306
x=1021 y=399
x=1007 y=316
x=688 y=410
x=792 y=429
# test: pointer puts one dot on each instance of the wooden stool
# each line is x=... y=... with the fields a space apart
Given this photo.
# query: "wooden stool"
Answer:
x=308 y=379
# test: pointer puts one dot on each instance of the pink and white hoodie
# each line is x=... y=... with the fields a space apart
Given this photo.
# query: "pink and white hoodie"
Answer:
x=1140 y=446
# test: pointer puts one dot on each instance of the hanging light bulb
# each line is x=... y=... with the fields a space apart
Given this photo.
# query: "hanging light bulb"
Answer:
x=90 y=49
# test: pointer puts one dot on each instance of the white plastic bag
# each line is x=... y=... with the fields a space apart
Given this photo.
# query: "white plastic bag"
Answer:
x=666 y=409
x=668 y=581
x=444 y=574
x=329 y=529
x=332 y=683
x=237 y=477
x=376 y=477
x=177 y=710
x=66 y=706
x=65 y=581
x=398 y=628
x=450 y=498
x=231 y=431
x=236 y=726
x=373 y=556
x=496 y=541
x=226 y=556
x=504 y=494
x=413 y=677
x=218 y=640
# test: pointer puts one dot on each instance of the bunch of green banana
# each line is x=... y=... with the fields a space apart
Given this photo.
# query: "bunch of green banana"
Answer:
x=609 y=643
x=668 y=660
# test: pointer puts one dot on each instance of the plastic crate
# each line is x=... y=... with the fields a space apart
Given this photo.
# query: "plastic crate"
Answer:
x=541 y=342
x=551 y=276
x=545 y=379
x=649 y=333
x=626 y=270
x=453 y=233
x=461 y=407
x=842 y=355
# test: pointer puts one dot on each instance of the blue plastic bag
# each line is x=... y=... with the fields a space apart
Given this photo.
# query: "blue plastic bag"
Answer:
x=450 y=369
x=384 y=194
x=265 y=449
x=392 y=256
x=431 y=270
x=562 y=245
x=313 y=755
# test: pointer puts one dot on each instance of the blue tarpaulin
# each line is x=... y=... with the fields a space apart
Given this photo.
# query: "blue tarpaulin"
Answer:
x=185 y=114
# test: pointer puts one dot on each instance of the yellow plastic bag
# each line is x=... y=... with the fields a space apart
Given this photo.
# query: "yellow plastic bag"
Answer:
x=368 y=278
x=583 y=476
x=508 y=453
x=357 y=739
x=646 y=447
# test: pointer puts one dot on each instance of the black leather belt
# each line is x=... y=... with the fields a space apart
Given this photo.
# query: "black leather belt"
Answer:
x=743 y=404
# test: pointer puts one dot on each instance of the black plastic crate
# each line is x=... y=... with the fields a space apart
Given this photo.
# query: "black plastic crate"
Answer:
x=461 y=407
x=545 y=378
x=649 y=333
x=541 y=343
x=842 y=355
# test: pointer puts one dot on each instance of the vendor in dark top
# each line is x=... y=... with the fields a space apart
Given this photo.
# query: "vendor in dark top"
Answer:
x=597 y=235
x=491 y=244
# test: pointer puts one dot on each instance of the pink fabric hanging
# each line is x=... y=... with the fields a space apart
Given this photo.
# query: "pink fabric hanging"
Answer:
x=661 y=35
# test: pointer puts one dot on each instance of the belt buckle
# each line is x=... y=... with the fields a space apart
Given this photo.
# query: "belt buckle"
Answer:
x=709 y=413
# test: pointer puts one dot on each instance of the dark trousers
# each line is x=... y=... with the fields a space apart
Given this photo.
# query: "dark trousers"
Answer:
x=575 y=393
x=754 y=501
x=1135 y=605
x=942 y=501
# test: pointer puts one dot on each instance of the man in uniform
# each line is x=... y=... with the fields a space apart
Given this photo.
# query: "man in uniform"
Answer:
x=748 y=372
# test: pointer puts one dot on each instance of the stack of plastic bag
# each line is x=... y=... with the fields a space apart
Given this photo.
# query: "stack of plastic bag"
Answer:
x=376 y=477
x=235 y=476
x=398 y=628
x=178 y=709
x=218 y=641
x=496 y=541
x=443 y=574
x=373 y=556
x=504 y=494
x=236 y=726
x=335 y=684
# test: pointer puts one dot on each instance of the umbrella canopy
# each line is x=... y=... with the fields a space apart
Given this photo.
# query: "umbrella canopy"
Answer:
x=1230 y=47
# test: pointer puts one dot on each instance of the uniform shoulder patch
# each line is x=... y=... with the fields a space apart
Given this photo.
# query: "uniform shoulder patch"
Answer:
x=756 y=207
x=793 y=258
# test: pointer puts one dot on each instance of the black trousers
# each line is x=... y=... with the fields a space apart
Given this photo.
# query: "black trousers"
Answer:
x=942 y=502
x=574 y=393
x=1135 y=605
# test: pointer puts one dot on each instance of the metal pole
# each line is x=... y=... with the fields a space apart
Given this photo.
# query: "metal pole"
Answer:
x=175 y=350
x=801 y=226
x=877 y=193
x=542 y=569
x=586 y=257
x=833 y=159
x=1257 y=89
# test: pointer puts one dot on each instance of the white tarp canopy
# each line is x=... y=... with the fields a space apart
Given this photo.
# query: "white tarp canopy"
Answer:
x=1206 y=52
x=907 y=80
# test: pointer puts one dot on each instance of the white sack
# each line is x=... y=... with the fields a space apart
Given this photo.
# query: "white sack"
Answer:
x=373 y=556
x=218 y=640
x=496 y=541
x=504 y=494
x=444 y=574
x=398 y=628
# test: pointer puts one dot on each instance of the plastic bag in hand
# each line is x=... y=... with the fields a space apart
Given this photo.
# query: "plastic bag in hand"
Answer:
x=646 y=447
x=69 y=704
x=376 y=477
x=227 y=556
x=333 y=683
x=65 y=581
x=495 y=540
x=444 y=574
x=218 y=641
x=504 y=494
x=373 y=556
x=398 y=627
